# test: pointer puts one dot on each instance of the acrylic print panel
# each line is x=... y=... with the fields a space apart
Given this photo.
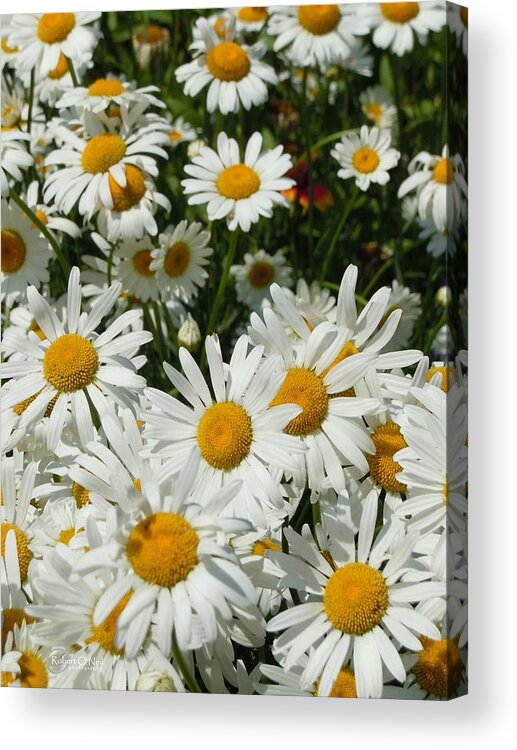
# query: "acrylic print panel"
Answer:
x=234 y=307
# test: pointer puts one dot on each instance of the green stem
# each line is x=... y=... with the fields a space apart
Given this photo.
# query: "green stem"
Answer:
x=31 y=101
x=110 y=264
x=43 y=229
x=308 y=151
x=161 y=340
x=330 y=138
x=72 y=72
x=432 y=335
x=183 y=667
x=330 y=250
x=223 y=281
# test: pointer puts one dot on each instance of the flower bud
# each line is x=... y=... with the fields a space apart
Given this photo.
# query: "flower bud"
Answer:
x=189 y=334
x=155 y=682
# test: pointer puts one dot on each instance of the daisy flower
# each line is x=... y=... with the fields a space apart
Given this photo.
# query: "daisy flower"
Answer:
x=356 y=602
x=378 y=107
x=103 y=168
x=134 y=270
x=189 y=334
x=402 y=298
x=180 y=131
x=151 y=44
x=250 y=18
x=60 y=523
x=111 y=91
x=8 y=55
x=172 y=563
x=14 y=157
x=41 y=37
x=180 y=259
x=441 y=241
x=13 y=597
x=316 y=34
x=241 y=191
x=440 y=186
x=288 y=681
x=47 y=215
x=367 y=157
x=51 y=87
x=254 y=278
x=25 y=254
x=25 y=664
x=234 y=72
x=16 y=512
x=251 y=549
x=396 y=24
x=234 y=433
x=72 y=361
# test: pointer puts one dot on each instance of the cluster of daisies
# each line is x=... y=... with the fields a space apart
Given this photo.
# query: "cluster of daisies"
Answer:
x=267 y=496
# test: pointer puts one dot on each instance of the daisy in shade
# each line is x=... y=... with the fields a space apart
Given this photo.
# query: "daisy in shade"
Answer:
x=24 y=662
x=241 y=191
x=103 y=168
x=378 y=107
x=72 y=361
x=107 y=92
x=254 y=278
x=179 y=260
x=25 y=254
x=16 y=513
x=250 y=18
x=234 y=72
x=288 y=681
x=396 y=24
x=367 y=157
x=251 y=549
x=234 y=433
x=173 y=555
x=134 y=269
x=355 y=602
x=51 y=87
x=14 y=157
x=13 y=597
x=47 y=214
x=41 y=37
x=440 y=186
x=316 y=34
x=60 y=523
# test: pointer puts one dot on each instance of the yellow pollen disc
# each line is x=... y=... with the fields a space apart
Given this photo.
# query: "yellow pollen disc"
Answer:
x=355 y=598
x=303 y=387
x=374 y=112
x=81 y=495
x=252 y=14
x=400 y=12
x=174 y=136
x=70 y=363
x=22 y=406
x=162 y=549
x=60 y=70
x=344 y=686
x=33 y=673
x=22 y=547
x=42 y=216
x=102 y=152
x=104 y=634
x=228 y=62
x=137 y=484
x=141 y=262
x=365 y=160
x=238 y=182
x=126 y=197
x=444 y=172
x=152 y=34
x=445 y=493
x=8 y=50
x=220 y=27
x=224 y=435
x=446 y=373
x=13 y=251
x=263 y=545
x=11 y=617
x=55 y=27
x=464 y=15
x=319 y=19
x=387 y=439
x=67 y=534
x=114 y=112
x=348 y=350
x=439 y=666
x=108 y=87
x=177 y=259
x=261 y=275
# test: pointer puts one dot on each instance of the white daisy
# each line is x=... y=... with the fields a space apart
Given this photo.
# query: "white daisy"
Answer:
x=24 y=662
x=14 y=157
x=25 y=254
x=396 y=24
x=250 y=18
x=367 y=157
x=402 y=298
x=51 y=87
x=16 y=512
x=355 y=602
x=234 y=72
x=14 y=598
x=134 y=271
x=47 y=215
x=151 y=44
x=241 y=191
x=107 y=92
x=288 y=681
x=60 y=523
x=441 y=241
x=440 y=185
x=378 y=107
x=180 y=131
x=180 y=259
x=254 y=278
x=74 y=361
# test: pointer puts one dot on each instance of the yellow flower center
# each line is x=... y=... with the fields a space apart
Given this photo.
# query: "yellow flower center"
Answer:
x=355 y=598
x=8 y=50
x=70 y=363
x=344 y=686
x=11 y=117
x=81 y=495
x=11 y=617
x=60 y=70
x=238 y=182
x=252 y=14
x=365 y=160
x=444 y=172
x=104 y=634
x=445 y=493
x=33 y=673
x=126 y=197
x=162 y=549
x=141 y=262
x=177 y=259
x=319 y=19
x=22 y=406
x=263 y=545
x=152 y=34
x=174 y=136
x=67 y=534
x=464 y=15
x=102 y=152
x=439 y=666
x=55 y=27
x=305 y=388
x=374 y=112
x=228 y=62
x=42 y=216
x=224 y=435
x=387 y=439
x=348 y=350
x=446 y=372
x=22 y=547
x=137 y=484
x=261 y=275
x=400 y=12
x=13 y=251
x=108 y=87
